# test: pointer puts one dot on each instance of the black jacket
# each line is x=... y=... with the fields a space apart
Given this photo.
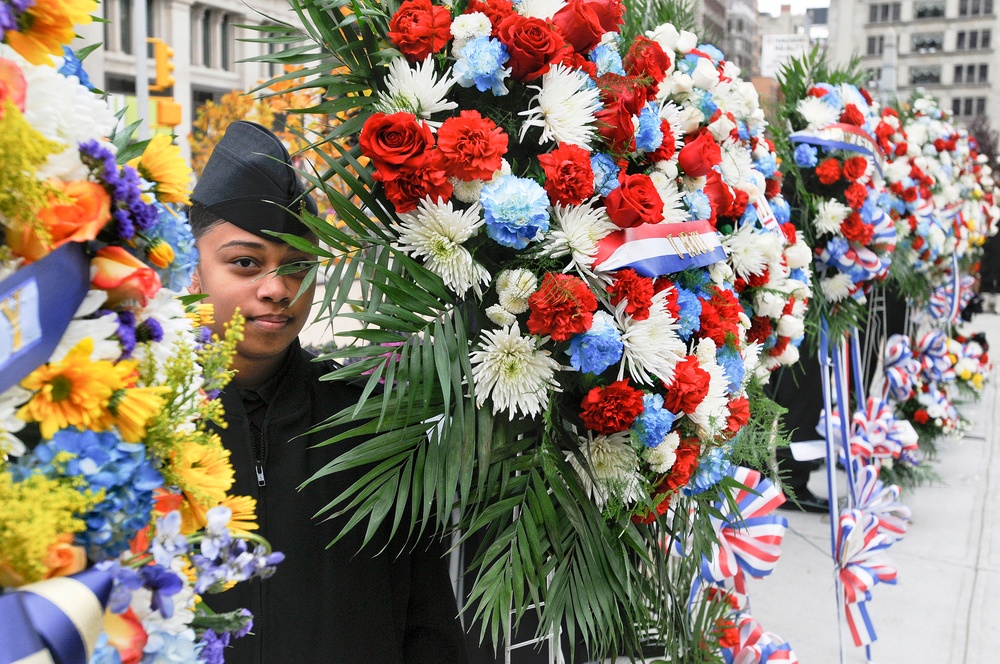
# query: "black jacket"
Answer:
x=327 y=605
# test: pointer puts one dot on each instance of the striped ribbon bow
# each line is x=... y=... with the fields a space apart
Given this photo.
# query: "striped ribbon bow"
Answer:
x=748 y=541
x=56 y=620
x=757 y=646
x=901 y=368
x=871 y=495
x=935 y=364
x=862 y=564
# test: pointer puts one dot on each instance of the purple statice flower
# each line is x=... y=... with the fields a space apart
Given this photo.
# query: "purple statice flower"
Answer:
x=151 y=330
x=126 y=332
x=131 y=213
x=163 y=584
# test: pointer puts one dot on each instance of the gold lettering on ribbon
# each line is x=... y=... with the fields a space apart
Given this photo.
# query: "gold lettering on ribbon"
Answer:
x=11 y=310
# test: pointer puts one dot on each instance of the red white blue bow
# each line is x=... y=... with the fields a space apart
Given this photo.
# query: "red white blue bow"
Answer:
x=757 y=646
x=901 y=368
x=862 y=564
x=935 y=364
x=873 y=496
x=749 y=541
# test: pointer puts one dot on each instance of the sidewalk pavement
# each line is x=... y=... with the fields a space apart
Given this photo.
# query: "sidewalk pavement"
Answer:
x=948 y=564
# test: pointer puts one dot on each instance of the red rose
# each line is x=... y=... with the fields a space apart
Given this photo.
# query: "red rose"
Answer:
x=409 y=186
x=668 y=148
x=868 y=97
x=574 y=60
x=739 y=414
x=626 y=91
x=532 y=44
x=856 y=194
x=646 y=59
x=828 y=171
x=610 y=13
x=689 y=387
x=852 y=116
x=918 y=243
x=569 y=177
x=611 y=409
x=614 y=124
x=760 y=330
x=720 y=316
x=634 y=202
x=495 y=10
x=471 y=146
x=637 y=291
x=854 y=168
x=684 y=466
x=921 y=416
x=394 y=141
x=420 y=28
x=563 y=306
x=699 y=154
x=579 y=25
x=855 y=230
x=720 y=195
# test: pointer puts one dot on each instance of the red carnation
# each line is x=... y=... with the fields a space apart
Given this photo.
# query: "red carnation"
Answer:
x=495 y=10
x=611 y=409
x=684 y=466
x=664 y=284
x=394 y=141
x=637 y=291
x=852 y=116
x=579 y=25
x=921 y=416
x=728 y=635
x=689 y=387
x=634 y=202
x=471 y=146
x=856 y=230
x=420 y=28
x=828 y=171
x=760 y=330
x=699 y=154
x=532 y=44
x=854 y=168
x=772 y=187
x=561 y=307
x=569 y=177
x=856 y=194
x=647 y=59
x=668 y=148
x=739 y=414
x=720 y=316
x=412 y=185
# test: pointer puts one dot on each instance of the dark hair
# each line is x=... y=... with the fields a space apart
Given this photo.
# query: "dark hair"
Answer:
x=202 y=220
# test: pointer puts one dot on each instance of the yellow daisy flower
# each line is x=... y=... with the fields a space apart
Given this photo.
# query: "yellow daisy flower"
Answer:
x=50 y=24
x=131 y=409
x=194 y=514
x=203 y=471
x=162 y=164
x=74 y=392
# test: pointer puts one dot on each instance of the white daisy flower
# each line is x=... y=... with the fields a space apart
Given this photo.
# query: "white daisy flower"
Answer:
x=101 y=330
x=817 y=113
x=544 y=9
x=829 y=214
x=418 y=90
x=514 y=287
x=564 y=107
x=674 y=209
x=652 y=346
x=662 y=457
x=575 y=231
x=837 y=287
x=510 y=370
x=613 y=468
x=10 y=400
x=436 y=233
x=712 y=413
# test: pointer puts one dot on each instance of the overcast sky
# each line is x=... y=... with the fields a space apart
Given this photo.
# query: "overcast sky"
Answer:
x=773 y=7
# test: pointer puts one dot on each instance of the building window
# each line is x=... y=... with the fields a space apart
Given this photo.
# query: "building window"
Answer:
x=956 y=107
x=984 y=71
x=985 y=41
x=125 y=26
x=970 y=74
x=929 y=9
x=925 y=75
x=959 y=69
x=884 y=12
x=876 y=45
x=980 y=105
x=960 y=41
x=206 y=38
x=224 y=39
x=967 y=106
x=988 y=7
x=930 y=42
x=973 y=40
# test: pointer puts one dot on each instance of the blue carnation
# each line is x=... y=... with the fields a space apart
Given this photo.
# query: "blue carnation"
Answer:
x=799 y=274
x=711 y=51
x=73 y=67
x=480 y=63
x=837 y=246
x=767 y=164
x=749 y=215
x=605 y=173
x=699 y=207
x=741 y=128
x=172 y=228
x=607 y=59
x=649 y=136
x=711 y=469
x=780 y=208
x=806 y=156
x=598 y=348
x=654 y=423
x=690 y=313
x=704 y=100
x=731 y=362
x=516 y=210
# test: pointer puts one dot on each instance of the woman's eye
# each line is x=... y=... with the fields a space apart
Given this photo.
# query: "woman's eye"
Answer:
x=245 y=263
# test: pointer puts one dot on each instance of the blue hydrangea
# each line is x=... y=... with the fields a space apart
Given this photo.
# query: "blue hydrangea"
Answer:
x=105 y=462
x=516 y=210
x=654 y=423
x=172 y=228
x=73 y=67
x=104 y=652
x=767 y=164
x=698 y=204
x=731 y=362
x=687 y=64
x=598 y=348
x=741 y=129
x=607 y=59
x=806 y=156
x=780 y=208
x=605 y=173
x=481 y=63
x=690 y=313
x=711 y=469
x=649 y=135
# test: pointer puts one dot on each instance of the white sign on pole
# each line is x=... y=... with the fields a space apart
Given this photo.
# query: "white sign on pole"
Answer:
x=775 y=50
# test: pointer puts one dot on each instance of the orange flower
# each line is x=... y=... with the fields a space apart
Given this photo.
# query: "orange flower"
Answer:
x=76 y=216
x=12 y=85
x=123 y=276
x=126 y=635
x=49 y=25
x=64 y=558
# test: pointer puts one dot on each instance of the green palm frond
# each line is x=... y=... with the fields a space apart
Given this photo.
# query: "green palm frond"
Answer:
x=643 y=15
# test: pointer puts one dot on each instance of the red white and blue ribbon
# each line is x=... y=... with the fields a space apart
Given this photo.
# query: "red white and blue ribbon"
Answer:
x=862 y=564
x=945 y=303
x=901 y=368
x=757 y=646
x=653 y=250
x=841 y=136
x=935 y=363
x=749 y=541
x=871 y=495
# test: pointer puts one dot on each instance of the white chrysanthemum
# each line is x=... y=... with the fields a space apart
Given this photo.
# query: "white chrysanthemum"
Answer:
x=613 y=469
x=500 y=316
x=720 y=273
x=712 y=413
x=829 y=214
x=514 y=287
x=470 y=26
x=436 y=233
x=737 y=96
x=564 y=107
x=575 y=231
x=544 y=9
x=747 y=251
x=662 y=457
x=101 y=330
x=751 y=360
x=837 y=287
x=511 y=371
x=417 y=90
x=674 y=209
x=817 y=113
x=671 y=112
x=652 y=346
x=736 y=164
x=466 y=191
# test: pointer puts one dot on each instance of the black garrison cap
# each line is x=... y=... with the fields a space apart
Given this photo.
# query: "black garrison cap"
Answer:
x=249 y=182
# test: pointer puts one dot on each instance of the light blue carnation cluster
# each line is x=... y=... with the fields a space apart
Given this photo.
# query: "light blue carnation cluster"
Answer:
x=598 y=348
x=516 y=211
x=655 y=422
x=481 y=63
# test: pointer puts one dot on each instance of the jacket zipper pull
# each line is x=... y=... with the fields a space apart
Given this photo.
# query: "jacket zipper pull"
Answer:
x=260 y=473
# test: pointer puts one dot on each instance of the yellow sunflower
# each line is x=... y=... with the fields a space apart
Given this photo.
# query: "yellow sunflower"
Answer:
x=74 y=391
x=50 y=24
x=162 y=164
x=203 y=470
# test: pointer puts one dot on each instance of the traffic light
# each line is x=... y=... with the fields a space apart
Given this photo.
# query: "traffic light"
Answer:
x=168 y=112
x=164 y=56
